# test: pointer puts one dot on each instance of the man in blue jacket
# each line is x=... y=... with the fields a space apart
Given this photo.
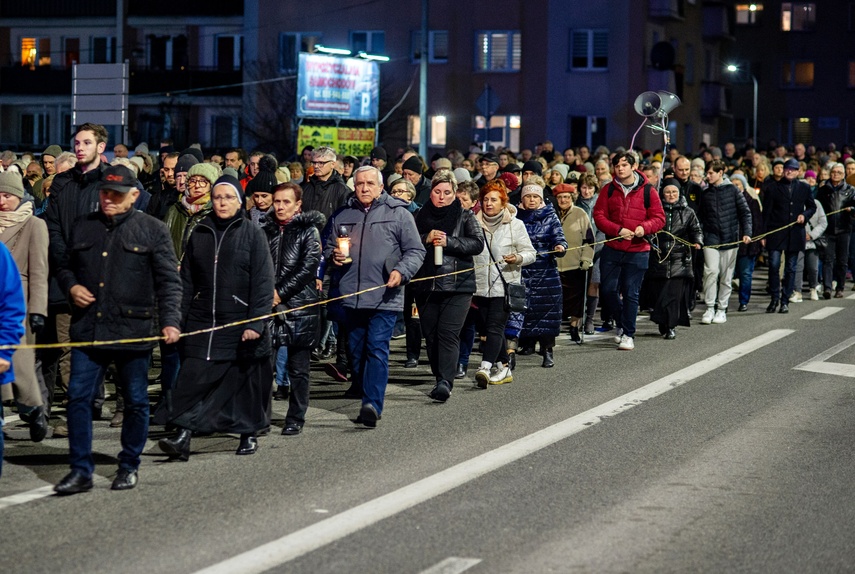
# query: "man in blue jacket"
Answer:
x=386 y=251
x=12 y=314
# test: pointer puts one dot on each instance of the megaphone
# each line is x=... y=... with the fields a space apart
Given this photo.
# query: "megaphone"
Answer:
x=656 y=104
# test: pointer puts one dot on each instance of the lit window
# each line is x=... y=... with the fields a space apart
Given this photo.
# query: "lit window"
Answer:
x=798 y=16
x=748 y=14
x=436 y=130
x=35 y=52
x=503 y=131
x=797 y=75
x=498 y=51
x=589 y=49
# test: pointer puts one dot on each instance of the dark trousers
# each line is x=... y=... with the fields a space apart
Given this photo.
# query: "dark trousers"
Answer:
x=834 y=260
x=87 y=375
x=298 y=373
x=442 y=316
x=494 y=317
x=782 y=292
x=621 y=275
x=745 y=274
x=467 y=335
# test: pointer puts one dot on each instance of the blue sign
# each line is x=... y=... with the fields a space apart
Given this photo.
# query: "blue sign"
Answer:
x=335 y=87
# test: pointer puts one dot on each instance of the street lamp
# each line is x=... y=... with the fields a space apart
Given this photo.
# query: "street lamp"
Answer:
x=732 y=68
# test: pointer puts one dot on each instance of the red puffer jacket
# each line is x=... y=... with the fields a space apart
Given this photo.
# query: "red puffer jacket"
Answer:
x=615 y=210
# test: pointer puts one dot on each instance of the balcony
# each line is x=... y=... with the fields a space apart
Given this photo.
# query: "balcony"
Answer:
x=715 y=100
x=43 y=80
x=147 y=81
x=667 y=9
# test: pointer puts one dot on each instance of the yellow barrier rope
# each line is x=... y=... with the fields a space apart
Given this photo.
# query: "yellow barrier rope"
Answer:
x=153 y=339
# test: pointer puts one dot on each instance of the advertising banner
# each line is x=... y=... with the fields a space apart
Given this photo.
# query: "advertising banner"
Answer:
x=336 y=87
x=345 y=141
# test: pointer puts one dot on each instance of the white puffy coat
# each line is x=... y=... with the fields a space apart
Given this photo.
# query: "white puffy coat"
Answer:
x=509 y=237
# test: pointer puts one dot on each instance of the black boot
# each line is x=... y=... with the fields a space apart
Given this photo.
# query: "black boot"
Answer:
x=526 y=350
x=248 y=444
x=772 y=306
x=178 y=447
x=548 y=361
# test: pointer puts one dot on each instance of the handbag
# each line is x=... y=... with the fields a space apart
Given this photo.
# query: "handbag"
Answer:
x=515 y=297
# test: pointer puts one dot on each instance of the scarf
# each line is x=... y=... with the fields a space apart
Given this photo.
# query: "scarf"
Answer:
x=289 y=220
x=12 y=218
x=444 y=218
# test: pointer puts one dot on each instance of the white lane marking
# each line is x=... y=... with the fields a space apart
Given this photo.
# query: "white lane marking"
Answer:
x=820 y=364
x=851 y=296
x=37 y=493
x=292 y=546
x=452 y=565
x=11 y=419
x=823 y=313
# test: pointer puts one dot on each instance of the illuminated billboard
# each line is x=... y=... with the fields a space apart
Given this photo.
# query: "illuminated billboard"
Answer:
x=335 y=87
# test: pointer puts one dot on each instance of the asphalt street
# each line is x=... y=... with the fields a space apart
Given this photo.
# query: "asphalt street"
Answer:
x=728 y=449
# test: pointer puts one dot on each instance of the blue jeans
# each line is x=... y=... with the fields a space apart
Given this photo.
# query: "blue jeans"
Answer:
x=87 y=373
x=621 y=274
x=789 y=275
x=745 y=274
x=282 y=367
x=369 y=335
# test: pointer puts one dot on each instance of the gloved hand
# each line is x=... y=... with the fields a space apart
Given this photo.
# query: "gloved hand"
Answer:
x=586 y=264
x=37 y=323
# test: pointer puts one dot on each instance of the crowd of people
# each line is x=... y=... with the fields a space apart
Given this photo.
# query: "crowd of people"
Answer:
x=245 y=271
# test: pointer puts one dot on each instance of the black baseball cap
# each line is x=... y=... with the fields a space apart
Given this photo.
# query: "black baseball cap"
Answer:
x=118 y=178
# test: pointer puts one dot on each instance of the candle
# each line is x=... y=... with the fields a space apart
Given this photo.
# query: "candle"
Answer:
x=437 y=255
x=344 y=248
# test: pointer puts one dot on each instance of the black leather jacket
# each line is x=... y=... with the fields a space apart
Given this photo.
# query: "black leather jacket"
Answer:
x=296 y=252
x=834 y=199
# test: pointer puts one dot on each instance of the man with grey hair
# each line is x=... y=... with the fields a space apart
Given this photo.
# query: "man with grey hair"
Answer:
x=835 y=195
x=325 y=190
x=383 y=248
x=65 y=161
x=7 y=158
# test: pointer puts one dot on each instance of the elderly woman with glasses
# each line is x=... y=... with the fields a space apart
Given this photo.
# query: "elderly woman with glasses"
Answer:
x=404 y=189
x=226 y=374
x=194 y=205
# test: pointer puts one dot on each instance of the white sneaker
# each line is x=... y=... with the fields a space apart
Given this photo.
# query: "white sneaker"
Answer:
x=626 y=343
x=814 y=293
x=708 y=316
x=720 y=317
x=500 y=374
x=796 y=298
x=618 y=335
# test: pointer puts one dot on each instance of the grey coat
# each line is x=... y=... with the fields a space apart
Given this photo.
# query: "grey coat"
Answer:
x=382 y=239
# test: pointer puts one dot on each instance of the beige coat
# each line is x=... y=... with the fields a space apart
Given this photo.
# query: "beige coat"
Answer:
x=576 y=227
x=28 y=243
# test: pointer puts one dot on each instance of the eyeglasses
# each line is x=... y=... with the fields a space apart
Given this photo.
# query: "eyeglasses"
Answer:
x=320 y=163
x=397 y=192
x=198 y=182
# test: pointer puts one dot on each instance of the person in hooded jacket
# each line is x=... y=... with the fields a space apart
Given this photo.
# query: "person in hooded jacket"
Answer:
x=443 y=303
x=670 y=273
x=295 y=245
x=225 y=377
x=542 y=319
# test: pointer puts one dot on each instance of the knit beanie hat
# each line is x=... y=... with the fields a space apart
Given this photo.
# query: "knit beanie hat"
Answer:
x=232 y=182
x=206 y=170
x=562 y=168
x=533 y=165
x=462 y=174
x=185 y=162
x=52 y=150
x=442 y=162
x=195 y=152
x=11 y=183
x=744 y=181
x=529 y=189
x=511 y=181
x=266 y=180
x=414 y=164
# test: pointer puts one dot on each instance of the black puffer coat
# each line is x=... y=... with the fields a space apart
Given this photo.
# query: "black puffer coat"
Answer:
x=674 y=258
x=226 y=280
x=724 y=215
x=466 y=242
x=296 y=251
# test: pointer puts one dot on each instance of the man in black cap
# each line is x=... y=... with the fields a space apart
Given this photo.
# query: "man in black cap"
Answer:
x=489 y=167
x=531 y=168
x=124 y=280
x=785 y=201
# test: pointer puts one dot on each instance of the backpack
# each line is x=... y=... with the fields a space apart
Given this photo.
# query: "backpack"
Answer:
x=647 y=188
